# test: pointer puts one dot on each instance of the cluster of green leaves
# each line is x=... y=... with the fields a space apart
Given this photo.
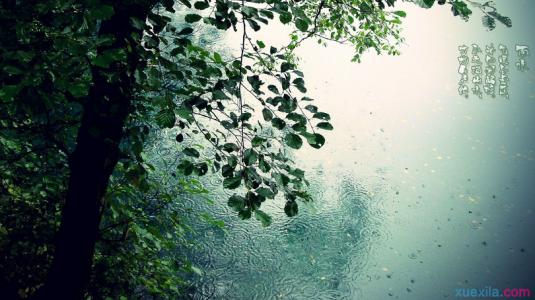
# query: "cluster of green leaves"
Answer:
x=144 y=232
x=40 y=75
x=361 y=23
x=204 y=97
x=207 y=95
x=47 y=51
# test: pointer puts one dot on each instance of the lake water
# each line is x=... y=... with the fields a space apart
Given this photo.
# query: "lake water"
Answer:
x=418 y=191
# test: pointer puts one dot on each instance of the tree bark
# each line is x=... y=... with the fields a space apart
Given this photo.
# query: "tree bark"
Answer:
x=94 y=158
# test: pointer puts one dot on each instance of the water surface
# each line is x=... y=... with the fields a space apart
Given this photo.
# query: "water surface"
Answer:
x=417 y=191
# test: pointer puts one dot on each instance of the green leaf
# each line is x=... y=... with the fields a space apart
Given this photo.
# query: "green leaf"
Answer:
x=250 y=156
x=186 y=167
x=273 y=89
x=245 y=116
x=301 y=24
x=168 y=4
x=12 y=70
x=293 y=140
x=227 y=171
x=219 y=95
x=255 y=82
x=260 y=44
x=322 y=116
x=325 y=125
x=429 y=3
x=264 y=218
x=311 y=108
x=267 y=114
x=166 y=118
x=460 y=8
x=267 y=13
x=137 y=23
x=318 y=141
x=315 y=140
x=252 y=178
x=286 y=66
x=192 y=18
x=291 y=208
x=400 y=13
x=250 y=11
x=230 y=147
x=297 y=173
x=300 y=84
x=104 y=59
x=191 y=152
x=8 y=92
x=263 y=165
x=285 y=17
x=257 y=141
x=237 y=203
x=102 y=12
x=232 y=182
x=201 y=169
x=268 y=193
x=245 y=214
x=186 y=3
x=217 y=58
x=185 y=31
x=80 y=89
x=299 y=127
x=201 y=5
x=278 y=123
x=296 y=117
x=253 y=24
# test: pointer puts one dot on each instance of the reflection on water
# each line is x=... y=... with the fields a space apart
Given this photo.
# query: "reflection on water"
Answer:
x=318 y=254
x=417 y=191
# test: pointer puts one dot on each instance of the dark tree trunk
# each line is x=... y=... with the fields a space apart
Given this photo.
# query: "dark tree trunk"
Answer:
x=94 y=158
